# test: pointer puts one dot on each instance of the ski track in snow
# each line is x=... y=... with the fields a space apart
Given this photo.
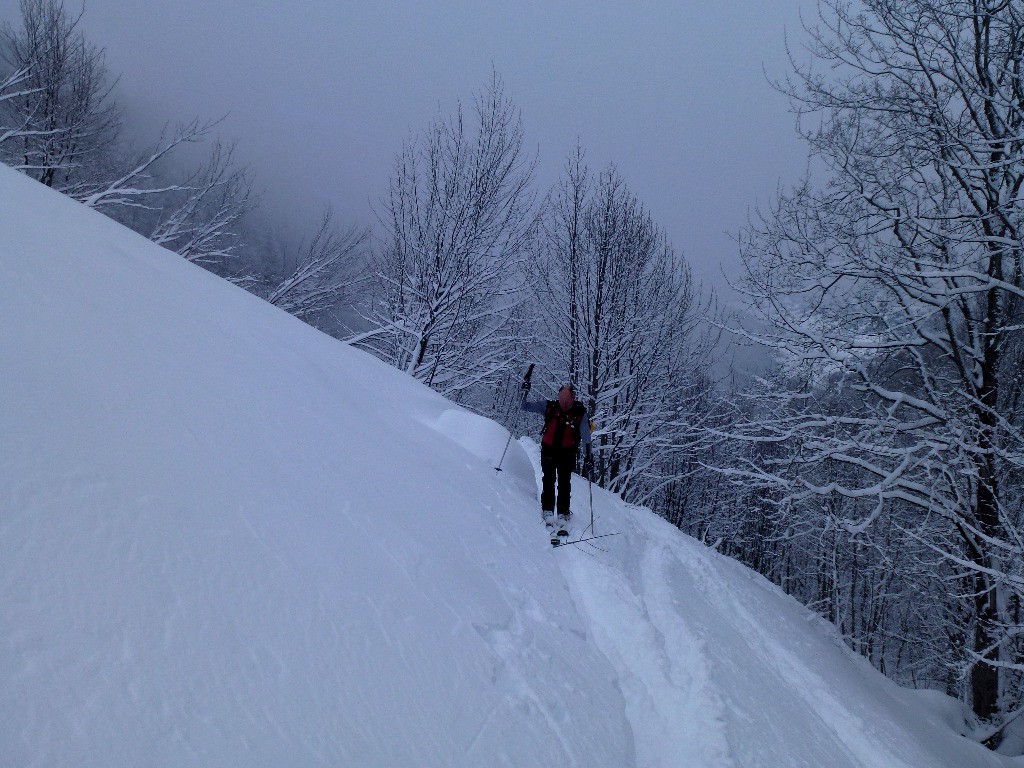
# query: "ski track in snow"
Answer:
x=624 y=588
x=659 y=663
x=712 y=659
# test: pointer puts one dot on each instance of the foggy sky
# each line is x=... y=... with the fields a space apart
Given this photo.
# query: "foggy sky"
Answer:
x=322 y=93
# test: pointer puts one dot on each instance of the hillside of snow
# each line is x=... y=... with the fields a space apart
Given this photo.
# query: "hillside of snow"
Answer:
x=229 y=540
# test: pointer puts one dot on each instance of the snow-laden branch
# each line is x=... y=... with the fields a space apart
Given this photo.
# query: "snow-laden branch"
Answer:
x=325 y=270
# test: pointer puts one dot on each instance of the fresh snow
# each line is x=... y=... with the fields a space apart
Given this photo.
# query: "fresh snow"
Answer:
x=229 y=540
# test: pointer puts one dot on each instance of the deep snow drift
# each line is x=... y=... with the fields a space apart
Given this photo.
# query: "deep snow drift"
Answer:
x=227 y=540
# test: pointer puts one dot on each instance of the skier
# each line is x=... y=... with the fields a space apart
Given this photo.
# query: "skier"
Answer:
x=565 y=427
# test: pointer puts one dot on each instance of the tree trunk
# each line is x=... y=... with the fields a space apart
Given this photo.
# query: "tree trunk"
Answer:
x=985 y=674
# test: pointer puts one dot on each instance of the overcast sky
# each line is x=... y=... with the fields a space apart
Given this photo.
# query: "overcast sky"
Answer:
x=322 y=93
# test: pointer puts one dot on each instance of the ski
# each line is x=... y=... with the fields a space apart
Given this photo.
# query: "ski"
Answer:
x=585 y=539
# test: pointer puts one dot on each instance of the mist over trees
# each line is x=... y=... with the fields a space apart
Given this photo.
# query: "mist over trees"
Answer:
x=62 y=125
x=325 y=271
x=874 y=471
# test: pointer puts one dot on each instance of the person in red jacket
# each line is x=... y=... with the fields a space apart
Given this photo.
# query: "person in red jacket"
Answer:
x=566 y=426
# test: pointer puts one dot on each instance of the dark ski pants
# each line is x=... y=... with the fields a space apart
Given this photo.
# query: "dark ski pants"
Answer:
x=556 y=463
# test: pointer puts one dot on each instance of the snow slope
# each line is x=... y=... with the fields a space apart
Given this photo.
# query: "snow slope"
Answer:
x=226 y=539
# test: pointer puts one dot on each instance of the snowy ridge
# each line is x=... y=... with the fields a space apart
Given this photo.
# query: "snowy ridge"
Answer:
x=226 y=539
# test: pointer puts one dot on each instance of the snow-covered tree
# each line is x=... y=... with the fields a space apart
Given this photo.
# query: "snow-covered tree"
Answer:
x=14 y=85
x=618 y=316
x=894 y=294
x=326 y=269
x=199 y=216
x=449 y=270
x=65 y=115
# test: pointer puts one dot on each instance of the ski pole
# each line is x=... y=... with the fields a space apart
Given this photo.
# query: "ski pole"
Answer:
x=525 y=389
x=507 y=442
x=590 y=487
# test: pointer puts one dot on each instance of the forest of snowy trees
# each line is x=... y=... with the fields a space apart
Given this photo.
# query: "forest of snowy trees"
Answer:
x=874 y=470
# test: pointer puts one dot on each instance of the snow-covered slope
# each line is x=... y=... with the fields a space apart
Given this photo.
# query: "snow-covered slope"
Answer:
x=226 y=540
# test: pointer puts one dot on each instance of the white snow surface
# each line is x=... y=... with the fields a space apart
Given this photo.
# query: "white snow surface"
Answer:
x=229 y=540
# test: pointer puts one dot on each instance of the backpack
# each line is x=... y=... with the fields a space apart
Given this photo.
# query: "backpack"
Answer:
x=562 y=428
